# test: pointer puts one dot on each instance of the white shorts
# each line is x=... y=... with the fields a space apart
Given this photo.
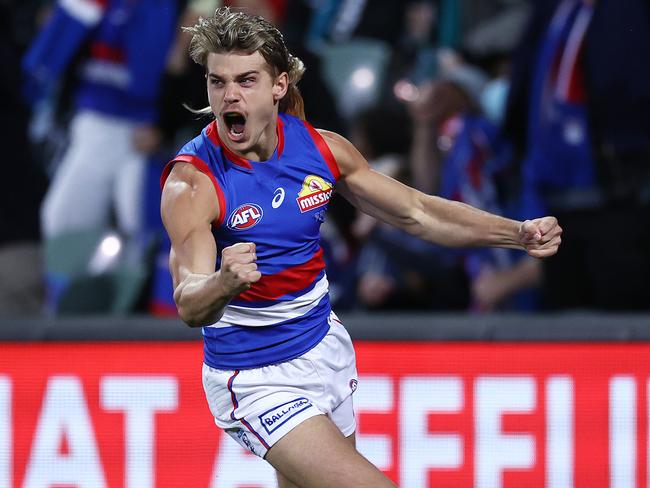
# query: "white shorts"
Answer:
x=259 y=406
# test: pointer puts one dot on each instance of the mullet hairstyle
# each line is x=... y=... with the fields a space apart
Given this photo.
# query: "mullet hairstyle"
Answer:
x=228 y=31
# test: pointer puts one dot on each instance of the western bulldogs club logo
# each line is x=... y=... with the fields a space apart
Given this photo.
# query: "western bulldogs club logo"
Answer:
x=315 y=192
x=245 y=216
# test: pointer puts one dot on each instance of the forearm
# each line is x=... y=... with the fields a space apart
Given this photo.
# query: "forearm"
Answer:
x=201 y=299
x=456 y=224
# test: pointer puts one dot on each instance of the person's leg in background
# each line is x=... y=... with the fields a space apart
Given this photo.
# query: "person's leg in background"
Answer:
x=79 y=195
x=128 y=194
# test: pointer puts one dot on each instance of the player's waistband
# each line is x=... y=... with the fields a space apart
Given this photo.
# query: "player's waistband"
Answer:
x=244 y=347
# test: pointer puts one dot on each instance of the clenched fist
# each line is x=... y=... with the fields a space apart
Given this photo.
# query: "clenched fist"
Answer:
x=540 y=237
x=239 y=268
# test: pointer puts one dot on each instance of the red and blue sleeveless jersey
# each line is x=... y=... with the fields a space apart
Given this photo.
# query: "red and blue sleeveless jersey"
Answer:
x=278 y=204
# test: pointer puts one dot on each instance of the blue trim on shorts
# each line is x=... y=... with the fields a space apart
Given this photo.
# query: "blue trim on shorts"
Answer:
x=235 y=405
x=259 y=437
x=233 y=398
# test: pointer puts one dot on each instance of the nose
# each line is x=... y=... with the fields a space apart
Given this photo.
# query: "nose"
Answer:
x=231 y=93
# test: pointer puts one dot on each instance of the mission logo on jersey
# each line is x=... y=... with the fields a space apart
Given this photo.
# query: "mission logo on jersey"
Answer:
x=316 y=192
x=245 y=216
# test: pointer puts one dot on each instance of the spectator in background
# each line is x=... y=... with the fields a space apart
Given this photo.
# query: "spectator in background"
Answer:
x=458 y=153
x=119 y=49
x=342 y=20
x=395 y=269
x=424 y=52
x=414 y=58
x=20 y=252
x=578 y=115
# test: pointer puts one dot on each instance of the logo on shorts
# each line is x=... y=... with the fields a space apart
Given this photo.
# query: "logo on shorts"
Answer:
x=353 y=385
x=315 y=192
x=277 y=416
x=241 y=435
x=245 y=216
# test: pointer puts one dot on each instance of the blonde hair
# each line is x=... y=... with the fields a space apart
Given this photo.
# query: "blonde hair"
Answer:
x=228 y=31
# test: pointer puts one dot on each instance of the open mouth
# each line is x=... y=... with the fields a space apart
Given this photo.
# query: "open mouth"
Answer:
x=235 y=122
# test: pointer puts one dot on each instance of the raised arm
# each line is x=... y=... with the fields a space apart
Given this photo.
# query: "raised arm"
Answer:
x=432 y=218
x=189 y=206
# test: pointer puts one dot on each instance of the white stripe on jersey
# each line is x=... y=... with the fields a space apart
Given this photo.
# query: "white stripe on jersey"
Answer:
x=85 y=11
x=274 y=314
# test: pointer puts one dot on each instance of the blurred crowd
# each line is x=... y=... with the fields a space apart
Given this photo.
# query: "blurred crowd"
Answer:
x=522 y=108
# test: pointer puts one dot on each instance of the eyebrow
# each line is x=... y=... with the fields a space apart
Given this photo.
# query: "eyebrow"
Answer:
x=238 y=76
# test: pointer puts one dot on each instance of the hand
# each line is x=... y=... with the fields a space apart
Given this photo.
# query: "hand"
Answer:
x=540 y=237
x=238 y=268
x=436 y=102
x=147 y=139
x=492 y=287
x=488 y=290
x=374 y=289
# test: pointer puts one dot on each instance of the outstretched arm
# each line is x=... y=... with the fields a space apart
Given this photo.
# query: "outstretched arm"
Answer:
x=189 y=206
x=432 y=218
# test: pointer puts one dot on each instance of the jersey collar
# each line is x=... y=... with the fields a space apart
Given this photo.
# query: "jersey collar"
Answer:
x=212 y=134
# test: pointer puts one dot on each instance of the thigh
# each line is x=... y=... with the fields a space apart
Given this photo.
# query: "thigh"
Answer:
x=284 y=482
x=316 y=454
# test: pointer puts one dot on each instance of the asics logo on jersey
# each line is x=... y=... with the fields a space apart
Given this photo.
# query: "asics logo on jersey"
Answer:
x=278 y=197
x=245 y=216
x=315 y=192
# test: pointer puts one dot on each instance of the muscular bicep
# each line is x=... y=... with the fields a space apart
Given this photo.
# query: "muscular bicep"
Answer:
x=188 y=207
x=370 y=191
x=380 y=196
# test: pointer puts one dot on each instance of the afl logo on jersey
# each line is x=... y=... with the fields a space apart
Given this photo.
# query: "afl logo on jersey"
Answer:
x=245 y=216
x=315 y=192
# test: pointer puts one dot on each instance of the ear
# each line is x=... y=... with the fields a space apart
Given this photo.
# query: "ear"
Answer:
x=280 y=86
